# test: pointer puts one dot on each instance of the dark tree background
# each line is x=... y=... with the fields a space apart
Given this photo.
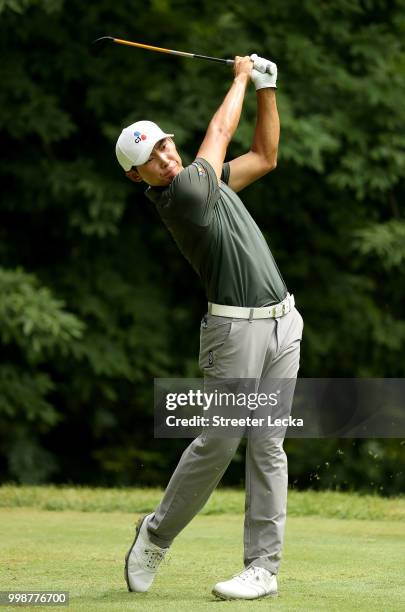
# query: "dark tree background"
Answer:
x=96 y=300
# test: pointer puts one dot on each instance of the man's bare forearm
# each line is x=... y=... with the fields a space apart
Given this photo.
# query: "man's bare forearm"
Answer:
x=267 y=131
x=226 y=119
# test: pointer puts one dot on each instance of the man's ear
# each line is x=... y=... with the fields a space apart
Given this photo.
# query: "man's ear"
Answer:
x=133 y=176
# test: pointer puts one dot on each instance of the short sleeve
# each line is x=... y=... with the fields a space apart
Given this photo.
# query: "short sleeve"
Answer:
x=195 y=191
x=225 y=173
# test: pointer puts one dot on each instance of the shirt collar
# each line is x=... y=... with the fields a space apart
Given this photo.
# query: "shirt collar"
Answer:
x=158 y=195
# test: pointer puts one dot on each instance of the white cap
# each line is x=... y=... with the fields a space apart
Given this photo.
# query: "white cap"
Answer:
x=136 y=142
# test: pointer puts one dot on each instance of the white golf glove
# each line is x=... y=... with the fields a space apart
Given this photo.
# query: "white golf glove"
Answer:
x=260 y=78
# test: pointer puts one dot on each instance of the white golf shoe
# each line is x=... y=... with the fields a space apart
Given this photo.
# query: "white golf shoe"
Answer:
x=252 y=583
x=143 y=559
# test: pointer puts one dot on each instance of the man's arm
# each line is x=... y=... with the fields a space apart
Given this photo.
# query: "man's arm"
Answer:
x=262 y=157
x=225 y=121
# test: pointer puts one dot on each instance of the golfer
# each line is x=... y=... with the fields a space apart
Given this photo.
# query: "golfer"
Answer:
x=251 y=330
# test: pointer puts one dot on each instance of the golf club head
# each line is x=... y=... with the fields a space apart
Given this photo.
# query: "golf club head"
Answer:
x=98 y=45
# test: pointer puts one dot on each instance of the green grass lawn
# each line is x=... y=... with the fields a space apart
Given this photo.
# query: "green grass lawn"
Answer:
x=330 y=562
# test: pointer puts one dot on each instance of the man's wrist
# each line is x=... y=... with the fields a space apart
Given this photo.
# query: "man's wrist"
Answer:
x=271 y=91
x=242 y=78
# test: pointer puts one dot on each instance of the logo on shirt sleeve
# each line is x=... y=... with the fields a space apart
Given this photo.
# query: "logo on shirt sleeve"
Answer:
x=201 y=171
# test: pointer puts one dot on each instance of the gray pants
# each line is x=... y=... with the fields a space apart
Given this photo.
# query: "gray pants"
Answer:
x=261 y=349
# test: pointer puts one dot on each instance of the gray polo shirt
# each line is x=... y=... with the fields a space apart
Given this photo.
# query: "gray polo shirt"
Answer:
x=217 y=235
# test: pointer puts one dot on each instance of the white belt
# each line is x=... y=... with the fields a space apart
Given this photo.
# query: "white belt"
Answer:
x=263 y=312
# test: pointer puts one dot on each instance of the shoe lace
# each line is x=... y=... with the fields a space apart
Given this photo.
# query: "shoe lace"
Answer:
x=252 y=572
x=153 y=557
x=248 y=573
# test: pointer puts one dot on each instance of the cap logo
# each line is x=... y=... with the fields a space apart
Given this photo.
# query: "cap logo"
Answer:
x=139 y=137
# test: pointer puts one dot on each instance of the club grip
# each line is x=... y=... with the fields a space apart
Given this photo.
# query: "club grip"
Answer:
x=231 y=62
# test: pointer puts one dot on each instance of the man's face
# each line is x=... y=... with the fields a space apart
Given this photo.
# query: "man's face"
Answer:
x=162 y=166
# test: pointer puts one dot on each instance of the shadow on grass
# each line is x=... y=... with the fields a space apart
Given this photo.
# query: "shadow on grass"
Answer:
x=163 y=595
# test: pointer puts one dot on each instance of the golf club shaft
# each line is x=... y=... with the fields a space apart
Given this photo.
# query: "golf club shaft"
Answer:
x=120 y=41
x=100 y=43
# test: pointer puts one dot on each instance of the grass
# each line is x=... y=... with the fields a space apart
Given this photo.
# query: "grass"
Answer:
x=332 y=560
x=330 y=504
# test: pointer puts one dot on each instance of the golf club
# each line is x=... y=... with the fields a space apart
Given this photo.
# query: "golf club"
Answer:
x=98 y=45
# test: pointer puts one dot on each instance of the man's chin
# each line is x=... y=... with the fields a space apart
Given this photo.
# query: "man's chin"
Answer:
x=168 y=179
x=165 y=182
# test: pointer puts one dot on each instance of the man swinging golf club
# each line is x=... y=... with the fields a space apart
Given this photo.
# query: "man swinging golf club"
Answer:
x=252 y=329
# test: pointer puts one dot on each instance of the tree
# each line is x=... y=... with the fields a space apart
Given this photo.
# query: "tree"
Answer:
x=96 y=300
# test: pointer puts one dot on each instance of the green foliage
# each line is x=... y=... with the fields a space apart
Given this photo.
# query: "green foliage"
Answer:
x=384 y=241
x=32 y=318
x=35 y=322
x=22 y=397
x=20 y=6
x=368 y=465
x=96 y=300
x=25 y=414
x=94 y=208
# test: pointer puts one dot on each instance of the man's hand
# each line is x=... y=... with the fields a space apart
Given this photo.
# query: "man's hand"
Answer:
x=242 y=65
x=260 y=78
